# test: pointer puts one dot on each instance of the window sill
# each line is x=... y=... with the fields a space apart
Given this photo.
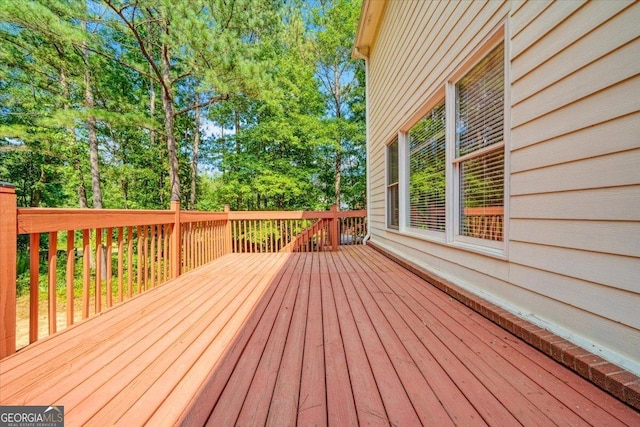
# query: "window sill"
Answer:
x=479 y=249
x=496 y=253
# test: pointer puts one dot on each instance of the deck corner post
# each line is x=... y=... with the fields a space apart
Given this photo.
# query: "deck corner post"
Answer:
x=333 y=229
x=8 y=255
x=176 y=241
x=227 y=235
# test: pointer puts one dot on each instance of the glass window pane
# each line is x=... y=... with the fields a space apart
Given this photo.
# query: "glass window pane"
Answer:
x=482 y=196
x=480 y=124
x=480 y=104
x=427 y=151
x=393 y=162
x=393 y=211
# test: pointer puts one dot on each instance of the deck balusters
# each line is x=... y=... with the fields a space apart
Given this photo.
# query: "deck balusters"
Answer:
x=109 y=266
x=53 y=258
x=70 y=275
x=152 y=256
x=129 y=261
x=98 y=277
x=34 y=285
x=140 y=259
x=120 y=263
x=143 y=249
x=86 y=272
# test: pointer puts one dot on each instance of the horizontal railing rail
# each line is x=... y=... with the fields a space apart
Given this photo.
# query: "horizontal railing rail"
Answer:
x=44 y=220
x=83 y=261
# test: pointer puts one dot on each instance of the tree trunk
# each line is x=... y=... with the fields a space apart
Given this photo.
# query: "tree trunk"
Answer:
x=152 y=134
x=194 y=159
x=93 y=147
x=338 y=174
x=167 y=105
x=36 y=195
x=152 y=109
x=93 y=138
x=75 y=156
x=338 y=100
x=125 y=192
x=238 y=149
x=81 y=190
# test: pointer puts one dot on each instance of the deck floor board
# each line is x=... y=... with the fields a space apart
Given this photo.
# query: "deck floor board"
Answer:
x=214 y=328
x=369 y=405
x=341 y=338
x=341 y=406
x=514 y=391
x=312 y=400
x=255 y=408
x=156 y=347
x=433 y=376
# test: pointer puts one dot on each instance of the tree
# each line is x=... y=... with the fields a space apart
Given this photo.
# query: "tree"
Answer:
x=39 y=69
x=117 y=93
x=270 y=160
x=212 y=41
x=337 y=22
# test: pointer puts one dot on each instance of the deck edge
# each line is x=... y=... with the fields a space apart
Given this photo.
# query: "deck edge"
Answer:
x=618 y=382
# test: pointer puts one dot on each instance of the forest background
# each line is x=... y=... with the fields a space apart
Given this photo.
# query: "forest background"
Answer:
x=256 y=104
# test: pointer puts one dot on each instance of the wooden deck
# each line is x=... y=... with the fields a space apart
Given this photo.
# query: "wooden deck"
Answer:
x=341 y=338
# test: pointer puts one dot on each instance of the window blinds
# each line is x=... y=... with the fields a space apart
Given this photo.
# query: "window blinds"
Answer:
x=427 y=152
x=480 y=146
x=482 y=180
x=480 y=105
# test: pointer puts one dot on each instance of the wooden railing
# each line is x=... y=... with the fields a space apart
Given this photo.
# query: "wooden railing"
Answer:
x=204 y=237
x=352 y=227
x=484 y=222
x=121 y=253
x=312 y=239
x=295 y=231
x=95 y=259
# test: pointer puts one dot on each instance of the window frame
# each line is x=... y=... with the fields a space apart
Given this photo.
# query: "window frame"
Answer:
x=437 y=235
x=391 y=185
x=455 y=162
x=453 y=204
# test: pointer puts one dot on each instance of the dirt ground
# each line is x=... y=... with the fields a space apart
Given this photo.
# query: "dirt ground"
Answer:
x=22 y=311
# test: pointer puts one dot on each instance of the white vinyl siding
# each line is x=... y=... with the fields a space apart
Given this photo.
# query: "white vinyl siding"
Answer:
x=572 y=246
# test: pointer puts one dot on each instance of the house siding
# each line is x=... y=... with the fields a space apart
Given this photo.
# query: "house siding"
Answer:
x=572 y=256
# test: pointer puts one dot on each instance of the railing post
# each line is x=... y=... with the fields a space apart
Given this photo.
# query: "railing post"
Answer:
x=333 y=229
x=227 y=235
x=8 y=248
x=176 y=241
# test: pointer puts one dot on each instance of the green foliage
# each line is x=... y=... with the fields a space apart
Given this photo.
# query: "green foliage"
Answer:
x=256 y=66
x=282 y=150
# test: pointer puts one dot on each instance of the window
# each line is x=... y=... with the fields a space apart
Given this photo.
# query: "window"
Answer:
x=454 y=156
x=479 y=147
x=427 y=165
x=393 y=203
